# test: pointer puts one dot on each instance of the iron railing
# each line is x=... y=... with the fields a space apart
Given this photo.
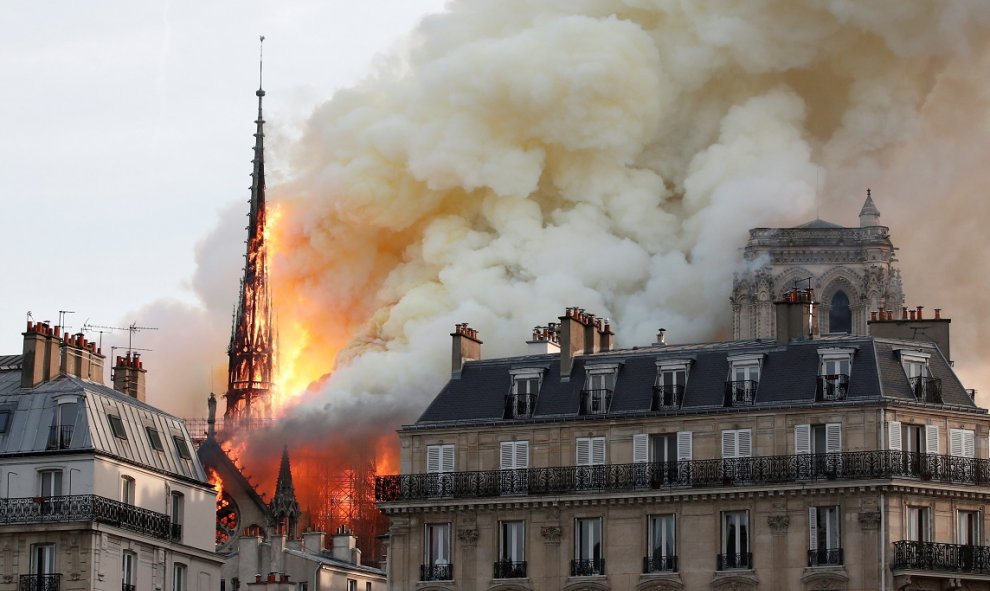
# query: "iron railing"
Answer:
x=127 y=587
x=519 y=406
x=39 y=582
x=736 y=472
x=86 y=508
x=659 y=564
x=436 y=572
x=587 y=567
x=731 y=561
x=176 y=530
x=832 y=387
x=595 y=402
x=935 y=556
x=740 y=392
x=59 y=437
x=927 y=389
x=506 y=569
x=825 y=557
x=667 y=396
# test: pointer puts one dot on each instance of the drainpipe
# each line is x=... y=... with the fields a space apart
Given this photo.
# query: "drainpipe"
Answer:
x=883 y=544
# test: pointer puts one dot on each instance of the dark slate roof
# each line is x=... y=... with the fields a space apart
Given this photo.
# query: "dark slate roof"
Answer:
x=788 y=377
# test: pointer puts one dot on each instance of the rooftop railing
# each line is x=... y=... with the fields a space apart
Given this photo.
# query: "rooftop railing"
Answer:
x=86 y=508
x=740 y=392
x=927 y=389
x=667 y=396
x=934 y=556
x=595 y=402
x=832 y=387
x=59 y=437
x=736 y=472
x=519 y=406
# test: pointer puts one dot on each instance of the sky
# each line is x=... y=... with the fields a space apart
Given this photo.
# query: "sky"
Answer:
x=127 y=132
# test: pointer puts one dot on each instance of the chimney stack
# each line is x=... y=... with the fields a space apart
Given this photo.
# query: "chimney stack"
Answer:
x=129 y=375
x=345 y=546
x=465 y=347
x=546 y=339
x=582 y=333
x=41 y=354
x=661 y=337
x=313 y=542
x=796 y=316
x=912 y=326
x=81 y=358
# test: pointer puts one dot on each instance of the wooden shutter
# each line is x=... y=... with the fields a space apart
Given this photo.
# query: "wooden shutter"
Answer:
x=447 y=458
x=507 y=455
x=744 y=447
x=583 y=451
x=728 y=444
x=641 y=448
x=432 y=458
x=833 y=438
x=598 y=451
x=522 y=454
x=956 y=442
x=802 y=439
x=894 y=435
x=684 y=451
x=969 y=443
x=813 y=528
x=931 y=439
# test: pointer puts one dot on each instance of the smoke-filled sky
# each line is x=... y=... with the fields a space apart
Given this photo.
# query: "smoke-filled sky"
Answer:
x=508 y=159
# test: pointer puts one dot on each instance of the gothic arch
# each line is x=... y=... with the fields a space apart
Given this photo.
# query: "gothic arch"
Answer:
x=849 y=282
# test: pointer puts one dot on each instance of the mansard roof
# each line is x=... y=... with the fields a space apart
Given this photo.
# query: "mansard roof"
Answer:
x=788 y=376
x=32 y=411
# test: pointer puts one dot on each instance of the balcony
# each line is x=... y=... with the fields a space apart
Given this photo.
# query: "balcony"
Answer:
x=505 y=569
x=659 y=564
x=176 y=531
x=933 y=556
x=667 y=397
x=59 y=437
x=587 y=567
x=436 y=572
x=595 y=402
x=743 y=560
x=740 y=392
x=927 y=389
x=697 y=474
x=832 y=387
x=39 y=582
x=519 y=406
x=825 y=557
x=90 y=508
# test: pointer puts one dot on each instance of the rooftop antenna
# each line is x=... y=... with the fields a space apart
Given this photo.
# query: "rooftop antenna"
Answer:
x=131 y=329
x=61 y=317
x=30 y=316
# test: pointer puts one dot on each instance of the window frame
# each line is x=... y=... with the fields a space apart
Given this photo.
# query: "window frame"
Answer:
x=181 y=447
x=128 y=567
x=651 y=541
x=43 y=559
x=594 y=533
x=6 y=418
x=741 y=538
x=128 y=489
x=117 y=428
x=443 y=536
x=179 y=573
x=154 y=438
x=737 y=443
x=56 y=482
x=976 y=517
x=512 y=545
x=918 y=525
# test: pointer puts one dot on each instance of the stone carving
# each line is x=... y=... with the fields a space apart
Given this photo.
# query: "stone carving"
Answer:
x=778 y=524
x=869 y=519
x=551 y=534
x=467 y=536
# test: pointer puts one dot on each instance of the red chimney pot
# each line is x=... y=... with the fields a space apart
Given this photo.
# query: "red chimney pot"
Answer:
x=938 y=313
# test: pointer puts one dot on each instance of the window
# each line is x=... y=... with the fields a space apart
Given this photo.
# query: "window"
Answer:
x=735 y=541
x=598 y=387
x=178 y=517
x=825 y=546
x=839 y=313
x=511 y=550
x=968 y=528
x=4 y=420
x=737 y=443
x=962 y=443
x=667 y=450
x=521 y=401
x=42 y=567
x=367 y=586
x=590 y=451
x=588 y=548
x=117 y=427
x=181 y=448
x=668 y=389
x=178 y=577
x=919 y=527
x=661 y=552
x=128 y=563
x=513 y=460
x=438 y=563
x=127 y=490
x=919 y=439
x=834 y=367
x=440 y=458
x=154 y=439
x=818 y=439
x=51 y=483
x=351 y=585
x=743 y=381
x=63 y=421
x=924 y=387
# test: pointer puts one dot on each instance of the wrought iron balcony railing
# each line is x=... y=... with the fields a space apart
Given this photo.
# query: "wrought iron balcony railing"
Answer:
x=86 y=508
x=587 y=567
x=832 y=387
x=731 y=561
x=127 y=587
x=595 y=402
x=39 y=582
x=667 y=396
x=927 y=389
x=740 y=392
x=176 y=530
x=59 y=437
x=935 y=556
x=519 y=406
x=505 y=569
x=436 y=572
x=737 y=472
x=659 y=564
x=825 y=557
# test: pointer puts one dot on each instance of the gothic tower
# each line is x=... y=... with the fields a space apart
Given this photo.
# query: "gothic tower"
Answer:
x=251 y=353
x=284 y=507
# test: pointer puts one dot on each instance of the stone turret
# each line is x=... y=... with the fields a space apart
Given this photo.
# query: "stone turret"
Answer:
x=284 y=506
x=869 y=215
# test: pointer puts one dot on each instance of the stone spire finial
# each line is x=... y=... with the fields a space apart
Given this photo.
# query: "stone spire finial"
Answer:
x=869 y=215
x=284 y=506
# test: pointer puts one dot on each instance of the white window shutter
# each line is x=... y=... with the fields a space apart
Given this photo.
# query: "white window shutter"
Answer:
x=684 y=445
x=641 y=448
x=432 y=458
x=894 y=435
x=956 y=442
x=931 y=439
x=802 y=439
x=813 y=528
x=728 y=444
x=598 y=451
x=447 y=458
x=833 y=438
x=969 y=444
x=522 y=454
x=507 y=455
x=583 y=451
x=744 y=447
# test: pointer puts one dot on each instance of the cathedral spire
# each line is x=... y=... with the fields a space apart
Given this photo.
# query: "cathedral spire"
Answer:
x=284 y=506
x=869 y=215
x=251 y=353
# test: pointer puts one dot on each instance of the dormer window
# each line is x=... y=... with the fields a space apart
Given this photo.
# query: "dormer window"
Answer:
x=744 y=379
x=834 y=367
x=668 y=389
x=925 y=387
x=521 y=400
x=596 y=398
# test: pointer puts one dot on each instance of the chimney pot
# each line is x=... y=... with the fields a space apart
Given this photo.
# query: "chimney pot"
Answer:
x=919 y=313
x=911 y=314
x=873 y=316
x=58 y=330
x=904 y=314
x=938 y=313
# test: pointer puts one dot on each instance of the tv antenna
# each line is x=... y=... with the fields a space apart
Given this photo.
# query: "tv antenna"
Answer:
x=131 y=329
x=61 y=317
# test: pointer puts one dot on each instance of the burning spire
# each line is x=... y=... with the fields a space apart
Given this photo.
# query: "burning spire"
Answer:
x=251 y=353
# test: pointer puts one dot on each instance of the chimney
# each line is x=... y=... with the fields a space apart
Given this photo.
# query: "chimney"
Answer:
x=661 y=338
x=607 y=336
x=129 y=375
x=466 y=347
x=592 y=334
x=913 y=326
x=41 y=354
x=313 y=542
x=796 y=316
x=81 y=358
x=345 y=546
x=546 y=339
x=571 y=339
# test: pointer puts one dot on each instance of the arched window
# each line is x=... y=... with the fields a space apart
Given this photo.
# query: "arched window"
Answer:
x=839 y=313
